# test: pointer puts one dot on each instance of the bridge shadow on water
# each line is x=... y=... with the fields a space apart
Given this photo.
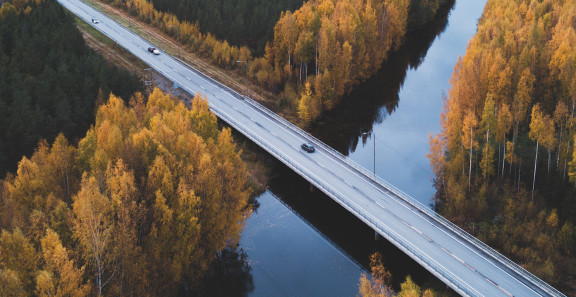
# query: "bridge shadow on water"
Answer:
x=372 y=101
x=346 y=232
x=369 y=104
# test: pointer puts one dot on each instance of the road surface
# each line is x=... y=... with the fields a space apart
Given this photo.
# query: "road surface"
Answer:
x=454 y=256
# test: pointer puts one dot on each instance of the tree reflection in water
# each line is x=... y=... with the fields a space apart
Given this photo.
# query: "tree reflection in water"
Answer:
x=228 y=276
x=369 y=104
x=362 y=108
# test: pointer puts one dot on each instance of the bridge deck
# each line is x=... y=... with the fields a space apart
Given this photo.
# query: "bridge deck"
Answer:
x=462 y=262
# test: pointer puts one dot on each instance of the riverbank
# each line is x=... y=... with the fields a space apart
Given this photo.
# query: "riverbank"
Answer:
x=338 y=230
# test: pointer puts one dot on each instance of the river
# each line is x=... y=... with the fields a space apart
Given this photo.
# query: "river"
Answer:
x=299 y=242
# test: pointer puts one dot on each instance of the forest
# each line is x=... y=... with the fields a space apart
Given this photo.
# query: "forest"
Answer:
x=324 y=49
x=505 y=160
x=318 y=52
x=246 y=22
x=142 y=206
x=49 y=78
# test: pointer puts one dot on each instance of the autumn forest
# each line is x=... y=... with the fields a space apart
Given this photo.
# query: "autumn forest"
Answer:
x=140 y=207
x=505 y=161
x=111 y=190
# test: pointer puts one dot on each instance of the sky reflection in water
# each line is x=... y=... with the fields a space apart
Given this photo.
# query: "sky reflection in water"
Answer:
x=290 y=258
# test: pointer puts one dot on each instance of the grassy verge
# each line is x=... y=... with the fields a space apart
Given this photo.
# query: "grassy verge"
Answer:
x=110 y=50
x=232 y=78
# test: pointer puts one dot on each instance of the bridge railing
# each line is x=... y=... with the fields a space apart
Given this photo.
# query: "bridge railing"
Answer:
x=469 y=237
x=388 y=186
x=369 y=175
x=406 y=246
x=409 y=199
x=415 y=203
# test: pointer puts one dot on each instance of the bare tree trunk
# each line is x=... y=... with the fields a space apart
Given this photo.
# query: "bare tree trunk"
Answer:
x=559 y=147
x=99 y=274
x=499 y=154
x=300 y=74
x=519 y=171
x=535 y=163
x=549 y=153
x=504 y=156
x=68 y=187
x=463 y=162
x=470 y=166
x=566 y=160
x=316 y=57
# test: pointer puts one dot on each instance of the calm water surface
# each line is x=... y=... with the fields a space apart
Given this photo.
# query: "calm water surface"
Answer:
x=300 y=243
x=290 y=258
x=406 y=99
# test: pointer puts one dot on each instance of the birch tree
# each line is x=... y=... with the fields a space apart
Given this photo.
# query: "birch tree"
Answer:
x=468 y=139
x=93 y=229
x=541 y=130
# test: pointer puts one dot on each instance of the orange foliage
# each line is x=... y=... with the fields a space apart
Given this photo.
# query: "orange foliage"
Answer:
x=340 y=42
x=521 y=59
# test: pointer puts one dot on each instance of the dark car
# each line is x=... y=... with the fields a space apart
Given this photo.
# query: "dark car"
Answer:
x=95 y=21
x=308 y=147
x=154 y=50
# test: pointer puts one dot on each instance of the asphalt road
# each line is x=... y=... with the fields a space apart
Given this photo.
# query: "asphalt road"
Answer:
x=458 y=261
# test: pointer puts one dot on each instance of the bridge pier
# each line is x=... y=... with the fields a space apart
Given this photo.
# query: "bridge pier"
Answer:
x=312 y=188
x=377 y=235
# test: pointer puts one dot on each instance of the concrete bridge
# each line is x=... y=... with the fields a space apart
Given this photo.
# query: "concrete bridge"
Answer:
x=461 y=261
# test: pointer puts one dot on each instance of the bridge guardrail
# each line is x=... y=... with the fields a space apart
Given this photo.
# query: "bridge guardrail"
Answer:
x=447 y=274
x=399 y=193
x=413 y=202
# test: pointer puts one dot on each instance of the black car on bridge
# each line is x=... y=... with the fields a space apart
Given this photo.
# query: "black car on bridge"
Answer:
x=308 y=147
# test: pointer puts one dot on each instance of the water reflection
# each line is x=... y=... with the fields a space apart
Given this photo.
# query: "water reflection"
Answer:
x=290 y=257
x=230 y=275
x=361 y=109
x=314 y=247
x=341 y=231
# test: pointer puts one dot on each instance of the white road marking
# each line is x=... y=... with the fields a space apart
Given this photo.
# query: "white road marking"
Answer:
x=345 y=166
x=409 y=207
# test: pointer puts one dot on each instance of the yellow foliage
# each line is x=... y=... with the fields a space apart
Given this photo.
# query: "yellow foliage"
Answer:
x=326 y=33
x=409 y=288
x=17 y=255
x=61 y=277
